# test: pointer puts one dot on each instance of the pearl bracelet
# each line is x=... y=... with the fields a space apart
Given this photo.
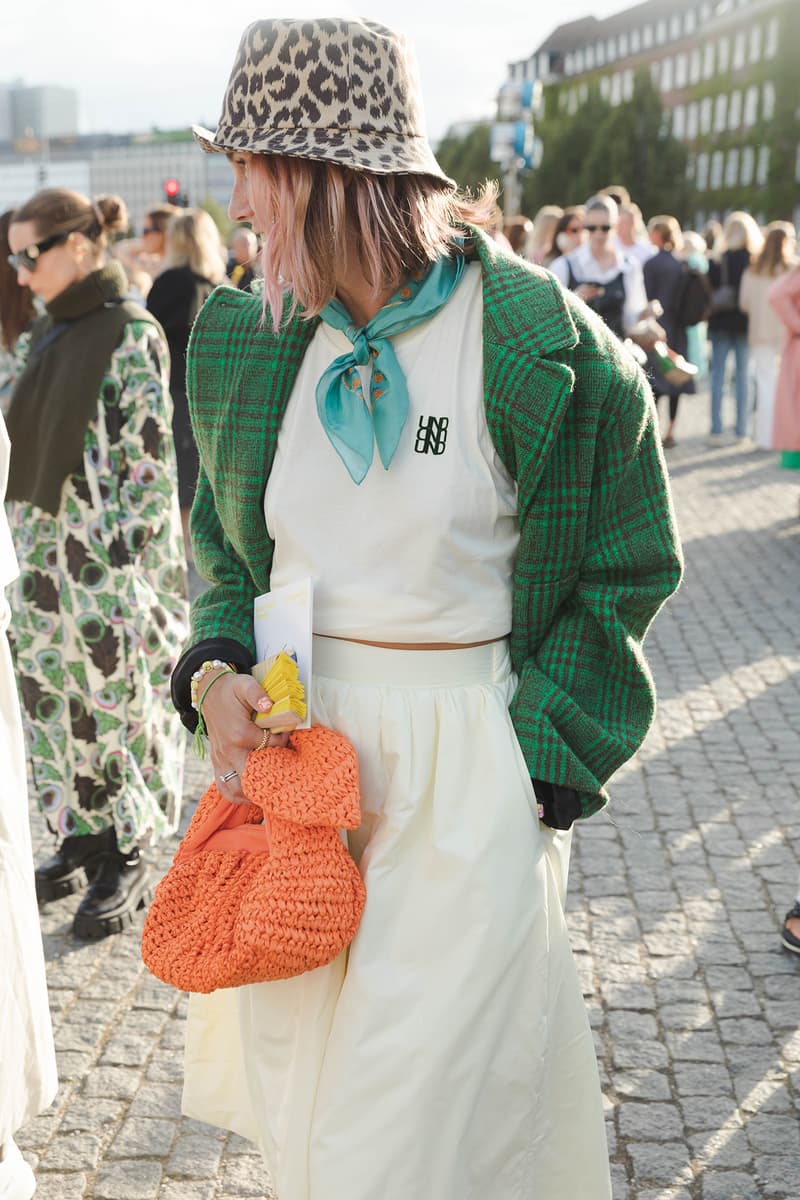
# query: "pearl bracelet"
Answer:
x=210 y=665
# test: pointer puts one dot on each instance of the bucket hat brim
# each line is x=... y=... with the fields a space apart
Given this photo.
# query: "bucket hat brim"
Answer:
x=381 y=153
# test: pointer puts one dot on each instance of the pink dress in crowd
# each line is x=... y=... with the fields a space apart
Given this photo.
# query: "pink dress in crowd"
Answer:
x=784 y=296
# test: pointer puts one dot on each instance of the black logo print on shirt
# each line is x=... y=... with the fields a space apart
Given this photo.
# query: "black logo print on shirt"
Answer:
x=431 y=435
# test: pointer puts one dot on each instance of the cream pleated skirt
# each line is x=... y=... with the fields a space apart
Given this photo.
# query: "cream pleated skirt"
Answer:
x=447 y=1055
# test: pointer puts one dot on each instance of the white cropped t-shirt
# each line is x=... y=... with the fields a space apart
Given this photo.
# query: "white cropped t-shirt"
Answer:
x=423 y=551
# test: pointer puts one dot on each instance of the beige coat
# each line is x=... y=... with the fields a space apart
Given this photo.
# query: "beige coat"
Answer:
x=764 y=327
x=28 y=1079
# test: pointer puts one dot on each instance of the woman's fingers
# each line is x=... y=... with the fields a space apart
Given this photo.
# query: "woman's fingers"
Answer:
x=228 y=715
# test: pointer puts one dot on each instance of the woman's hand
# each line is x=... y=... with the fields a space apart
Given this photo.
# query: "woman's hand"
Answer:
x=588 y=291
x=228 y=711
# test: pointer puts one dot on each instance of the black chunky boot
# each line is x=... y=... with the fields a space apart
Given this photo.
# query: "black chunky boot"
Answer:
x=70 y=868
x=120 y=885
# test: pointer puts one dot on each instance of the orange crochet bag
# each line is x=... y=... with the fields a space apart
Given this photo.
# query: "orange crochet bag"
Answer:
x=263 y=890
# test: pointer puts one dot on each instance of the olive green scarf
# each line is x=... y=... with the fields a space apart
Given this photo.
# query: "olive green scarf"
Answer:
x=56 y=396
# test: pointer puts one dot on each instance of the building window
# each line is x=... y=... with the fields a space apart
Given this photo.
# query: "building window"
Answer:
x=666 y=75
x=600 y=53
x=723 y=54
x=578 y=62
x=572 y=107
x=695 y=66
x=623 y=45
x=583 y=93
x=691 y=120
x=627 y=84
x=679 y=121
x=720 y=113
x=689 y=22
x=702 y=172
x=708 y=60
x=589 y=58
x=636 y=41
x=768 y=101
x=568 y=64
x=762 y=170
x=717 y=165
x=655 y=73
x=605 y=87
x=735 y=110
x=611 y=50
x=675 y=26
x=771 y=48
x=705 y=115
x=751 y=106
x=748 y=166
x=661 y=32
x=739 y=50
x=755 y=44
x=732 y=168
x=705 y=10
x=616 y=87
x=681 y=70
x=647 y=36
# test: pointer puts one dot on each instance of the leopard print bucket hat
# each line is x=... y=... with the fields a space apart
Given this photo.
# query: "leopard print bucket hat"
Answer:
x=338 y=90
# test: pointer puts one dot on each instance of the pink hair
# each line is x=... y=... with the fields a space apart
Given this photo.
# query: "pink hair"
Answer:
x=319 y=213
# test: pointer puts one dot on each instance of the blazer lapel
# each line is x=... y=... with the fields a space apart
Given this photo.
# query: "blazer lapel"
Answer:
x=527 y=392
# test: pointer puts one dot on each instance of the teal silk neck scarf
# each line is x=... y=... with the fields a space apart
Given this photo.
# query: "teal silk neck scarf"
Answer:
x=352 y=426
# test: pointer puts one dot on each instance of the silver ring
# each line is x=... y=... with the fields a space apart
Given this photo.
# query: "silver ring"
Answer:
x=228 y=776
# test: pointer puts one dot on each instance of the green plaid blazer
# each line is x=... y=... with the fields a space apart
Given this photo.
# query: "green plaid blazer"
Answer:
x=572 y=418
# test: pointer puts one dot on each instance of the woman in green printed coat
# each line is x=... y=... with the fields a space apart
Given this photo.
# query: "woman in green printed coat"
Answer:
x=99 y=610
x=468 y=465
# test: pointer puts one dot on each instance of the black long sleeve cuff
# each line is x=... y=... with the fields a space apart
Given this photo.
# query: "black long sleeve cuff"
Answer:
x=225 y=649
x=561 y=805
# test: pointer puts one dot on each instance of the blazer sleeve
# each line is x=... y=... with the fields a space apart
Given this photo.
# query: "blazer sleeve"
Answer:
x=585 y=698
x=222 y=615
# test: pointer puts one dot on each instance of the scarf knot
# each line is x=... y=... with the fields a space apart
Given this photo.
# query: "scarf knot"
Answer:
x=353 y=427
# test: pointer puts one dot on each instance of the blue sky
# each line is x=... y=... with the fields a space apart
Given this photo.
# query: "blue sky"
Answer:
x=166 y=64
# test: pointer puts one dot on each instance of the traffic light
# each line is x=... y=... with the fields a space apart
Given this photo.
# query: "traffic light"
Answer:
x=173 y=193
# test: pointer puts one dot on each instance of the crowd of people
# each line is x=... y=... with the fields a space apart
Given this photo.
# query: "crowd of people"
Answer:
x=483 y=382
x=641 y=280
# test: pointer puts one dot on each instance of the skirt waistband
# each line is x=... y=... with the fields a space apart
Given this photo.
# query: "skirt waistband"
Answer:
x=354 y=662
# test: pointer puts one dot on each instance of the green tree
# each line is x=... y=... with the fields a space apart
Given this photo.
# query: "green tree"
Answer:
x=564 y=176
x=634 y=146
x=466 y=159
x=628 y=144
x=781 y=192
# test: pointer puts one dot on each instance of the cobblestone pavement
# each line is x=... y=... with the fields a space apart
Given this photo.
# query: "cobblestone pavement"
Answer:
x=676 y=895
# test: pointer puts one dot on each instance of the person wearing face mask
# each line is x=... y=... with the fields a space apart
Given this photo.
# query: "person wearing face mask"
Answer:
x=99 y=608
x=567 y=235
x=610 y=282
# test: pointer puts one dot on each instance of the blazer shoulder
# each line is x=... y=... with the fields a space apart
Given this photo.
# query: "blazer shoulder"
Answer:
x=227 y=310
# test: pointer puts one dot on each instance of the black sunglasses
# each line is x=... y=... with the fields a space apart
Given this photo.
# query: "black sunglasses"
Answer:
x=29 y=257
x=594 y=228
